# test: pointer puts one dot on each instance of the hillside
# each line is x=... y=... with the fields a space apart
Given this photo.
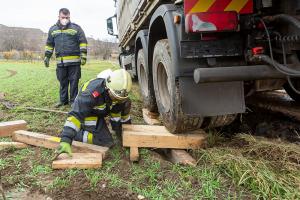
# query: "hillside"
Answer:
x=32 y=39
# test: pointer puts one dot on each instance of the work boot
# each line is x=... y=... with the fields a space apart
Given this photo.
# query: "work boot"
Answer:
x=60 y=104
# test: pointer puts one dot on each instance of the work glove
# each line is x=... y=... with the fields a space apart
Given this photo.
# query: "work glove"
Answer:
x=46 y=61
x=64 y=147
x=83 y=60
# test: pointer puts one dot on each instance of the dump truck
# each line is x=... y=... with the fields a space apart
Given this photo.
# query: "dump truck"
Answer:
x=197 y=61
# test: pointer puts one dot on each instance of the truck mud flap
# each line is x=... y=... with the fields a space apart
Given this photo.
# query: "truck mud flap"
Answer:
x=211 y=99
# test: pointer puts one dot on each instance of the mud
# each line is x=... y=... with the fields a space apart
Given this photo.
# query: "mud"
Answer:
x=26 y=195
x=264 y=123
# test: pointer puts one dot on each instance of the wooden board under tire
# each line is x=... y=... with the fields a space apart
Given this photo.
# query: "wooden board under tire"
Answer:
x=17 y=145
x=150 y=118
x=159 y=137
x=51 y=142
x=181 y=157
x=78 y=161
x=136 y=136
x=7 y=128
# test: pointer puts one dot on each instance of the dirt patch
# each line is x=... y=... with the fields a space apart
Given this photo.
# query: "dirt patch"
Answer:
x=26 y=195
x=11 y=73
x=80 y=189
x=263 y=123
x=2 y=96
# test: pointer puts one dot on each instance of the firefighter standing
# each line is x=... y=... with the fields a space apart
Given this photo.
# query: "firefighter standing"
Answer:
x=70 y=44
x=107 y=95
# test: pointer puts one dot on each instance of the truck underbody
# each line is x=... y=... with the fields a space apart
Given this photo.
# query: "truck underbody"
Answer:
x=197 y=63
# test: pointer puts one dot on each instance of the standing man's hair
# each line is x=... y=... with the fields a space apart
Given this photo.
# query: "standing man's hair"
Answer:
x=64 y=11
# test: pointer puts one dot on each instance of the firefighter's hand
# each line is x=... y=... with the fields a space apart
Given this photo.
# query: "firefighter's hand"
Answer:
x=64 y=147
x=46 y=61
x=83 y=61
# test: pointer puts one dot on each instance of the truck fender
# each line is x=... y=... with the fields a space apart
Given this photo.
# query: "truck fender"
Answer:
x=181 y=67
x=142 y=37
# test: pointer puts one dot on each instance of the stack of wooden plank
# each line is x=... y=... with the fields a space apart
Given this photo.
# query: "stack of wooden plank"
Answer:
x=85 y=156
x=90 y=156
x=7 y=129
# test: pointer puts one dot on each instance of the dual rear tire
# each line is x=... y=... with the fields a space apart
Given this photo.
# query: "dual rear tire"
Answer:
x=164 y=95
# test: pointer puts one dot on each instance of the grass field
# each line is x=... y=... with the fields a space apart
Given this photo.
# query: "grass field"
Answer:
x=241 y=167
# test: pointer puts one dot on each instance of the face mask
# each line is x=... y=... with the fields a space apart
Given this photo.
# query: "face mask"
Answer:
x=64 y=22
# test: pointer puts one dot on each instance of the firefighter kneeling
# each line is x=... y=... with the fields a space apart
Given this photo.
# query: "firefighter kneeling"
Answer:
x=105 y=96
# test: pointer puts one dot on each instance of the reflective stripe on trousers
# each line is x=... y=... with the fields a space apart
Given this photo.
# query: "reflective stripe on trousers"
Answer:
x=87 y=137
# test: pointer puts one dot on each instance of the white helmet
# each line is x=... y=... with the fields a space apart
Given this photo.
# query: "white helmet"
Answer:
x=118 y=82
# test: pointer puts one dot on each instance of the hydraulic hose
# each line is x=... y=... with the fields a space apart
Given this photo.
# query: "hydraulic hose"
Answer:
x=284 y=18
x=281 y=68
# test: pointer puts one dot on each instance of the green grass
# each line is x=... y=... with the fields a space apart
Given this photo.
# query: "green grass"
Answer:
x=259 y=175
x=259 y=169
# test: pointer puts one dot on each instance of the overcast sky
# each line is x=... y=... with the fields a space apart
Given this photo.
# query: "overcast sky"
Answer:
x=91 y=15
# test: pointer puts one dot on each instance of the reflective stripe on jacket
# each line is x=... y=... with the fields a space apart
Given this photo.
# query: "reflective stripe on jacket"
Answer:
x=69 y=43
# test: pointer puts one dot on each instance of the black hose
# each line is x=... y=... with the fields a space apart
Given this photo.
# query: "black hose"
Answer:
x=281 y=68
x=285 y=19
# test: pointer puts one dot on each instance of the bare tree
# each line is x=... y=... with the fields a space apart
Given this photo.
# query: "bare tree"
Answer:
x=13 y=40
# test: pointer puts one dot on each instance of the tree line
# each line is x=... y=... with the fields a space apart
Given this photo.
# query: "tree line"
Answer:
x=28 y=44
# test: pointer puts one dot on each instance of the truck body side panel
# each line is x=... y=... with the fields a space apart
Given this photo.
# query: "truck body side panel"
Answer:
x=132 y=16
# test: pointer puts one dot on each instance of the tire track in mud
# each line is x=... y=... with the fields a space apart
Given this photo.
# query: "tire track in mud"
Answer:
x=11 y=73
x=272 y=115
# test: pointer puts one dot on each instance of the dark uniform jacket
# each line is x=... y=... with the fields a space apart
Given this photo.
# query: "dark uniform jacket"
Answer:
x=89 y=110
x=69 y=43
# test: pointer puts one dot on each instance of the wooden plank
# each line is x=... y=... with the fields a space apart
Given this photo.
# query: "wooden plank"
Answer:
x=134 y=154
x=159 y=137
x=45 y=110
x=181 y=157
x=78 y=161
x=51 y=142
x=150 y=118
x=144 y=128
x=17 y=145
x=7 y=128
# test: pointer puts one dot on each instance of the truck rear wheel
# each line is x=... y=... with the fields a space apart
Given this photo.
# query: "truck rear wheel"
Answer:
x=146 y=87
x=167 y=92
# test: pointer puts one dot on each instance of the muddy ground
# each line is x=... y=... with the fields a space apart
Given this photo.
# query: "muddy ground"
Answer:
x=260 y=123
x=271 y=163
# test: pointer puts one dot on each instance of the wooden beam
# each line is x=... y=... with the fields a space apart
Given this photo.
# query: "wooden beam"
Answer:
x=181 y=157
x=159 y=137
x=144 y=128
x=134 y=154
x=78 y=161
x=51 y=142
x=17 y=145
x=45 y=110
x=150 y=118
x=7 y=128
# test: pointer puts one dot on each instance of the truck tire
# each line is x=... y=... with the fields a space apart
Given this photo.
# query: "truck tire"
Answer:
x=295 y=96
x=167 y=92
x=218 y=121
x=145 y=79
